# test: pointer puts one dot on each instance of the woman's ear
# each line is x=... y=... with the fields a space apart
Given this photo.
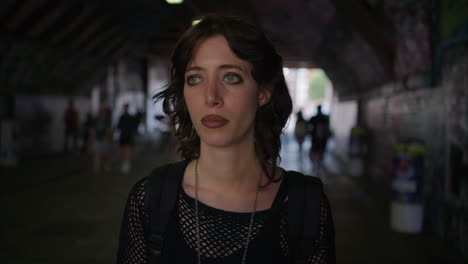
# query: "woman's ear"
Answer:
x=264 y=96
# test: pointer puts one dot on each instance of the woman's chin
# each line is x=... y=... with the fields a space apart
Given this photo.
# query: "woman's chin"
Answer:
x=219 y=142
x=221 y=139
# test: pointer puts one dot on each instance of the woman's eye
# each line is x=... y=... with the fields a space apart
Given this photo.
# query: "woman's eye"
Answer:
x=232 y=78
x=193 y=80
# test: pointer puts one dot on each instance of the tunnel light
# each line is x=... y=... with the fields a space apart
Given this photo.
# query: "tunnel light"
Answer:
x=174 y=2
x=196 y=21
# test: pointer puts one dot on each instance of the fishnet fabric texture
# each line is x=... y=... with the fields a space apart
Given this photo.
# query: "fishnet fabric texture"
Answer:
x=222 y=233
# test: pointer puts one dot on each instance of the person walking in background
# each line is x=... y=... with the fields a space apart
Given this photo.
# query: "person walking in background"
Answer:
x=139 y=122
x=300 y=131
x=126 y=127
x=102 y=140
x=72 y=127
x=319 y=128
x=87 y=130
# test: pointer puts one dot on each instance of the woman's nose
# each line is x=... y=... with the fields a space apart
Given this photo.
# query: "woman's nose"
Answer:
x=213 y=97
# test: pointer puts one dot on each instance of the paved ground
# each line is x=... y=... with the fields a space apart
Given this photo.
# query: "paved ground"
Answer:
x=54 y=210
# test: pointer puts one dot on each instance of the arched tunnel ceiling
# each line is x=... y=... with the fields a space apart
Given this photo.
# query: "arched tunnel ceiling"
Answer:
x=55 y=45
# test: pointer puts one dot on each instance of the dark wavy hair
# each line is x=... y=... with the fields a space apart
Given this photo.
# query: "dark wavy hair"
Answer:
x=249 y=43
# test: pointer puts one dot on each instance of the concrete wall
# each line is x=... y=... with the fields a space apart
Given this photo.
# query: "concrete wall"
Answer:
x=454 y=194
x=455 y=81
x=343 y=116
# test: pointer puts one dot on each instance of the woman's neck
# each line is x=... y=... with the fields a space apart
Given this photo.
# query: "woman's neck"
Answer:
x=234 y=169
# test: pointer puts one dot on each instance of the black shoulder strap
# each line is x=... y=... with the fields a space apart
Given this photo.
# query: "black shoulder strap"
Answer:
x=163 y=186
x=305 y=194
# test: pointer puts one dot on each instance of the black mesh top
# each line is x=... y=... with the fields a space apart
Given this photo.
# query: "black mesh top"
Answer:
x=222 y=233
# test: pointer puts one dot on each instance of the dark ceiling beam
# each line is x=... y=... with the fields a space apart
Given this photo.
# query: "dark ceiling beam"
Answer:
x=113 y=48
x=239 y=7
x=83 y=15
x=101 y=39
x=7 y=9
x=364 y=23
x=26 y=9
x=87 y=31
x=49 y=19
x=329 y=55
x=119 y=48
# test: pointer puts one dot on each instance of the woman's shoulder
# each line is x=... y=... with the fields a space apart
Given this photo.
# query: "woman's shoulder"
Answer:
x=172 y=169
x=297 y=175
x=167 y=176
x=167 y=170
x=299 y=182
x=137 y=192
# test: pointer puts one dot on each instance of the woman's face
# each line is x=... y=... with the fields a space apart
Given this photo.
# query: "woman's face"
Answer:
x=221 y=95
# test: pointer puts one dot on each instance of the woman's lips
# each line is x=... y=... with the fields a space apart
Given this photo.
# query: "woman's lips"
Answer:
x=214 y=121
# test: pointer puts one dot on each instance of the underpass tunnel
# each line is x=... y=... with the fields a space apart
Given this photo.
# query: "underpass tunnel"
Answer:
x=391 y=77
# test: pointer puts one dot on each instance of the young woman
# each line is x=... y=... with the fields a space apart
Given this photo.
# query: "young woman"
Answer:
x=228 y=102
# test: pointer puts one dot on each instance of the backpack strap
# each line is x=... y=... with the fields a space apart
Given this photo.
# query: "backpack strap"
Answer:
x=305 y=195
x=163 y=187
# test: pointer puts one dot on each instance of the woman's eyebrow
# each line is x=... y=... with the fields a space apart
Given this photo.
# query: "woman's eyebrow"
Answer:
x=232 y=66
x=193 y=68
x=224 y=66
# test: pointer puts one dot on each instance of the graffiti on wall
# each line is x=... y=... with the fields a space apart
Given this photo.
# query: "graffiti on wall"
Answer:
x=413 y=36
x=456 y=83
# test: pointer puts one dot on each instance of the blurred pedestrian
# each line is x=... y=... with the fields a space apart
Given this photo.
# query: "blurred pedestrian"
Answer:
x=126 y=127
x=300 y=130
x=72 y=127
x=102 y=140
x=319 y=128
x=139 y=122
x=87 y=130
